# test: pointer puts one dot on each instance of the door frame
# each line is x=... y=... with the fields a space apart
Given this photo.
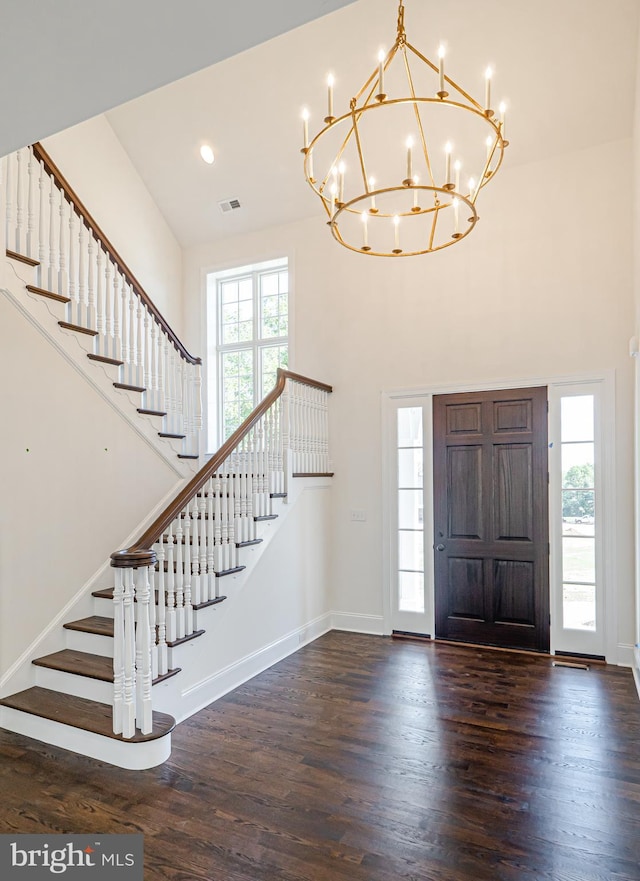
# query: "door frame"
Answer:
x=392 y=399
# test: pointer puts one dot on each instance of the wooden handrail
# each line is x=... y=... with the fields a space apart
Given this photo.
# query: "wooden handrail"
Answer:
x=141 y=553
x=60 y=180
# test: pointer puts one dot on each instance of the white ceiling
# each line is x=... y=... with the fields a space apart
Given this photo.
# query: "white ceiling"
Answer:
x=567 y=70
x=65 y=61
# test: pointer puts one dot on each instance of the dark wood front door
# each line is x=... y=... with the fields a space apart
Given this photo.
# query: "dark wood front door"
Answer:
x=491 y=518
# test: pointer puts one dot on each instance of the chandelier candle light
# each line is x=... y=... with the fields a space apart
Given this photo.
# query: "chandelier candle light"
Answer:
x=406 y=98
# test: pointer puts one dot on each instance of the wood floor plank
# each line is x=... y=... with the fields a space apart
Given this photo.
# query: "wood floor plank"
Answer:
x=361 y=758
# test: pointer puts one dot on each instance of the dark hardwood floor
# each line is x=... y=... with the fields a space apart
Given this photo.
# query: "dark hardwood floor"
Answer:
x=363 y=759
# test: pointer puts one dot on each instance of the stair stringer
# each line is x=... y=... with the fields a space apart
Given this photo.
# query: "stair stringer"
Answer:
x=279 y=603
x=44 y=315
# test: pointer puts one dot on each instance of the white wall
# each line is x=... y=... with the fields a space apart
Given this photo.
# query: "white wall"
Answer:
x=94 y=162
x=76 y=480
x=543 y=287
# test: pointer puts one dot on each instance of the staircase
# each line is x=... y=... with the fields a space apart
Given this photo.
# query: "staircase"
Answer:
x=95 y=696
x=63 y=258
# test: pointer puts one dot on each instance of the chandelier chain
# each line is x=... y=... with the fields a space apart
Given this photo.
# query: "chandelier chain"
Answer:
x=401 y=31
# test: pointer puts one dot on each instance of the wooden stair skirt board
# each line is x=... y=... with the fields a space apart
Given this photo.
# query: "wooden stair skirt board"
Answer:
x=85 y=727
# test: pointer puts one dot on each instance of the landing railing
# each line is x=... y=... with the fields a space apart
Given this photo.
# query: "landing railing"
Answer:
x=176 y=565
x=47 y=224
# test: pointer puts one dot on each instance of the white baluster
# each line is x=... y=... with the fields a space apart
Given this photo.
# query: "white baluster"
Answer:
x=117 y=313
x=172 y=630
x=188 y=607
x=153 y=361
x=133 y=332
x=203 y=540
x=74 y=305
x=217 y=500
x=92 y=317
x=83 y=306
x=126 y=332
x=139 y=343
x=129 y=653
x=42 y=227
x=53 y=260
x=147 y=360
x=162 y=376
x=144 y=710
x=163 y=651
x=63 y=281
x=118 y=651
x=180 y=618
x=108 y=309
x=212 y=581
x=31 y=218
x=100 y=310
x=19 y=203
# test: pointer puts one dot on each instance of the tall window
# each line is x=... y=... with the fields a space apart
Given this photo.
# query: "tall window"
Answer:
x=578 y=512
x=410 y=510
x=251 y=309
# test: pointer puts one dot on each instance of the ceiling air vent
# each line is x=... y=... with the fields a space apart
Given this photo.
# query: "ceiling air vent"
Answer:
x=228 y=205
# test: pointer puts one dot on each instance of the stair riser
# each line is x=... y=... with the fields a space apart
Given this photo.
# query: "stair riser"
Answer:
x=70 y=683
x=89 y=642
x=133 y=756
x=103 y=607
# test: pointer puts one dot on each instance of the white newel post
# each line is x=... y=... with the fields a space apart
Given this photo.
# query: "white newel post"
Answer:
x=118 y=652
x=129 y=655
x=144 y=709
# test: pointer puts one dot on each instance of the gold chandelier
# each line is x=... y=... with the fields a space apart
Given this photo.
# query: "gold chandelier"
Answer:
x=400 y=174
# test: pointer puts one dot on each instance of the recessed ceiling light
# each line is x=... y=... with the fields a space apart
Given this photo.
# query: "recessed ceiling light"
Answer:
x=207 y=154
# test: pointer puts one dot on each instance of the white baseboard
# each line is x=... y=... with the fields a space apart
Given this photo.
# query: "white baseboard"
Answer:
x=216 y=686
x=356 y=623
x=626 y=655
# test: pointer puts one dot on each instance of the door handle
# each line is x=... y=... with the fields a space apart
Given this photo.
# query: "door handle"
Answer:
x=440 y=548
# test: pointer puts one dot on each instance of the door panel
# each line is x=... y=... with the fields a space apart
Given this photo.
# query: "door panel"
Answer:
x=491 y=518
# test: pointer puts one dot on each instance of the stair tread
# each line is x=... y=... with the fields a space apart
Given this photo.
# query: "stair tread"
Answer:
x=313 y=474
x=80 y=663
x=14 y=255
x=207 y=603
x=129 y=388
x=168 y=434
x=78 y=712
x=188 y=456
x=103 y=359
x=265 y=517
x=145 y=412
x=51 y=295
x=278 y=495
x=77 y=328
x=182 y=639
x=230 y=571
x=247 y=544
x=93 y=624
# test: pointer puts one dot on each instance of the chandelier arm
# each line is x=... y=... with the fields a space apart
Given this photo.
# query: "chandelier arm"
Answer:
x=484 y=178
x=425 y=149
x=359 y=147
x=433 y=225
x=448 y=79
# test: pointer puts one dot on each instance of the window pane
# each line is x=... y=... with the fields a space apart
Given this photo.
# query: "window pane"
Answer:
x=411 y=551
x=237 y=389
x=410 y=468
x=578 y=559
x=411 y=592
x=272 y=357
x=273 y=304
x=578 y=466
x=229 y=291
x=577 y=418
x=578 y=512
x=579 y=606
x=245 y=289
x=410 y=509
x=410 y=427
